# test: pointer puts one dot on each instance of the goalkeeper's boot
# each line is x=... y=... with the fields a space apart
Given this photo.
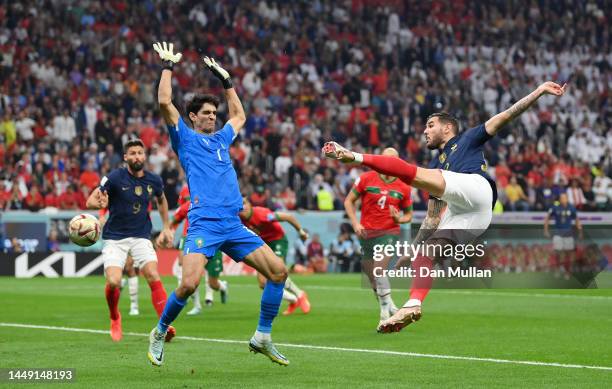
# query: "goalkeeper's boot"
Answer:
x=403 y=317
x=268 y=349
x=115 y=330
x=156 y=347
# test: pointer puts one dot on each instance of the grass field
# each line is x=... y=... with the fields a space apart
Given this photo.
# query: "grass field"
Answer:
x=466 y=338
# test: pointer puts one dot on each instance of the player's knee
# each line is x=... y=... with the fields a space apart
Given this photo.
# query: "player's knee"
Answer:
x=279 y=275
x=114 y=282
x=189 y=285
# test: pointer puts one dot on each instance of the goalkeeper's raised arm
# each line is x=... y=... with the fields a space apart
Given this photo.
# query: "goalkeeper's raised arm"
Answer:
x=164 y=92
x=237 y=117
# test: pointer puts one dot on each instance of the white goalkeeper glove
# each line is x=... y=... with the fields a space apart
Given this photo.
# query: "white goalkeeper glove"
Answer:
x=219 y=72
x=166 y=53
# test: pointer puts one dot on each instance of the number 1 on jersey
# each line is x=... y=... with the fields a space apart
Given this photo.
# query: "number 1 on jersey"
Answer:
x=381 y=202
x=219 y=155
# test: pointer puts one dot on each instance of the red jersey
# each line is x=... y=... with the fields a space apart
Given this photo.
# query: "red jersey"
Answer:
x=181 y=213
x=377 y=195
x=264 y=223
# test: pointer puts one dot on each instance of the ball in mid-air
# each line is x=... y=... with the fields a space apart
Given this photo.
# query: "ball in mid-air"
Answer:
x=84 y=229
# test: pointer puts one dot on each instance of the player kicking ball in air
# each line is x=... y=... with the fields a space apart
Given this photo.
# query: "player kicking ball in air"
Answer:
x=382 y=198
x=213 y=267
x=127 y=192
x=463 y=192
x=214 y=223
x=266 y=224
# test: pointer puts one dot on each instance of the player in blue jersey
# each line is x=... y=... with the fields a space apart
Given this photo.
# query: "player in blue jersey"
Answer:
x=215 y=204
x=127 y=192
x=565 y=216
x=463 y=193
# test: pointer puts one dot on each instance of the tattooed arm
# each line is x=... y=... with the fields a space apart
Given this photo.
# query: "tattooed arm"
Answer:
x=501 y=119
x=431 y=221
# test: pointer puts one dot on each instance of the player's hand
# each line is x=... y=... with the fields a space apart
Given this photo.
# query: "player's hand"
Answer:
x=166 y=53
x=333 y=150
x=395 y=214
x=102 y=199
x=165 y=238
x=303 y=234
x=360 y=231
x=218 y=71
x=552 y=88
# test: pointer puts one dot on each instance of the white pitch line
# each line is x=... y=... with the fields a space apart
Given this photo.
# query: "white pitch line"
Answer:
x=486 y=292
x=328 y=348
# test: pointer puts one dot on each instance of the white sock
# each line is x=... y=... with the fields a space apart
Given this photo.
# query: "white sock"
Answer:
x=196 y=298
x=289 y=296
x=383 y=292
x=292 y=287
x=262 y=337
x=412 y=303
x=133 y=287
x=222 y=286
x=179 y=274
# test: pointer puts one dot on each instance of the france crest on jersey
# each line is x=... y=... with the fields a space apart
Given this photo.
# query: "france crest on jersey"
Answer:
x=129 y=198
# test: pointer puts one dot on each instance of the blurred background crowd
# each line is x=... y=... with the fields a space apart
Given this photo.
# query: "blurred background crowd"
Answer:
x=79 y=79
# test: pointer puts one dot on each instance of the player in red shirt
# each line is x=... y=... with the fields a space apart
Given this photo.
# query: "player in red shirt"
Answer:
x=383 y=199
x=266 y=223
x=213 y=267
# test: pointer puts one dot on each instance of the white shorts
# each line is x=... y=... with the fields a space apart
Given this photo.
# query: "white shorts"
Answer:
x=561 y=243
x=469 y=199
x=115 y=252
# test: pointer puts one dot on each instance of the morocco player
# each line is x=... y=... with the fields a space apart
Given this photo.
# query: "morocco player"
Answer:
x=463 y=192
x=383 y=199
x=266 y=223
x=214 y=223
x=213 y=267
x=127 y=192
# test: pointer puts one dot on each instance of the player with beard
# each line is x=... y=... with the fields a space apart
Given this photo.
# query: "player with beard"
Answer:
x=127 y=193
x=463 y=193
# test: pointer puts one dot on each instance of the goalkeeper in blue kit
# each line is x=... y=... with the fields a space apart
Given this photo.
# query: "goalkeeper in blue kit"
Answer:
x=215 y=204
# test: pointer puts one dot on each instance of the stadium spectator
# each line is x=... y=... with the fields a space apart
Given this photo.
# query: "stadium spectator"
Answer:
x=517 y=200
x=311 y=73
x=316 y=255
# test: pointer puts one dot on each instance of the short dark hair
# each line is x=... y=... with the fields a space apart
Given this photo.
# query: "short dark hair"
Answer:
x=446 y=118
x=196 y=103
x=132 y=143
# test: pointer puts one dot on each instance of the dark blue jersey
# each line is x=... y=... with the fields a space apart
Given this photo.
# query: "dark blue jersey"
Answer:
x=129 y=198
x=564 y=219
x=212 y=180
x=464 y=154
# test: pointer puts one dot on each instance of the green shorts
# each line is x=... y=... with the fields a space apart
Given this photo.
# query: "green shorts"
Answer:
x=214 y=266
x=369 y=246
x=280 y=247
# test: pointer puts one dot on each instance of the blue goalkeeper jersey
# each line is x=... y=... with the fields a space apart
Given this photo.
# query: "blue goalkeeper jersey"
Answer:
x=212 y=180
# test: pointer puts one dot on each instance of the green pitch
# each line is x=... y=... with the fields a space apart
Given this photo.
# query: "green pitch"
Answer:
x=571 y=327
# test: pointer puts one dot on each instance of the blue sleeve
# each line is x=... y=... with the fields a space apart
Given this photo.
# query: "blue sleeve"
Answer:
x=178 y=133
x=477 y=136
x=227 y=134
x=107 y=182
x=158 y=188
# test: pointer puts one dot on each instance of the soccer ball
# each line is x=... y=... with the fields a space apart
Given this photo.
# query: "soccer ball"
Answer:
x=84 y=229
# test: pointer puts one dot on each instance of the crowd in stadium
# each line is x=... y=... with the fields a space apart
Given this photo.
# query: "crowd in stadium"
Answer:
x=79 y=80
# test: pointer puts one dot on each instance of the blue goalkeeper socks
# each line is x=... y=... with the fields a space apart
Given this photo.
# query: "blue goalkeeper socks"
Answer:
x=173 y=307
x=270 y=302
